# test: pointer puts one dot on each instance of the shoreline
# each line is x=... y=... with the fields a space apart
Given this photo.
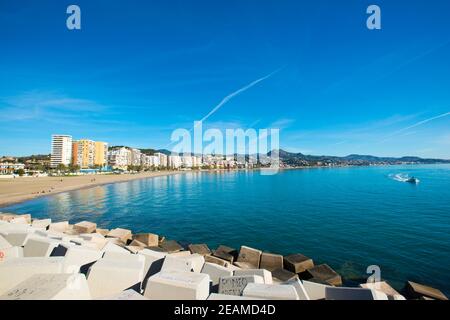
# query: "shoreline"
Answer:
x=15 y=191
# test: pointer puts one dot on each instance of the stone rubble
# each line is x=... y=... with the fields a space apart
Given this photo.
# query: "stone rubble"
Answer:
x=41 y=259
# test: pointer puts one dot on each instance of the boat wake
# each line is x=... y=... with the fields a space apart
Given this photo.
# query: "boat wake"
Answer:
x=402 y=177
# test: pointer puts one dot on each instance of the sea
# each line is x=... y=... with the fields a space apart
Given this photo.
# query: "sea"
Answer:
x=350 y=218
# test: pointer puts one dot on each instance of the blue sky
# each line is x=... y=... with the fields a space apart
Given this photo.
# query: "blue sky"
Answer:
x=138 y=70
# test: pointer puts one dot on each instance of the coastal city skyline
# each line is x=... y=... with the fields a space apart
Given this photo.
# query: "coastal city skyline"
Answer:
x=355 y=92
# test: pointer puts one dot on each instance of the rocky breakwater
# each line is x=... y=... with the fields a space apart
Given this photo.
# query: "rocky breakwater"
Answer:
x=42 y=259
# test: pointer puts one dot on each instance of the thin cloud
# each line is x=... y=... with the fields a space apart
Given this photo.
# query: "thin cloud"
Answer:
x=236 y=93
x=420 y=123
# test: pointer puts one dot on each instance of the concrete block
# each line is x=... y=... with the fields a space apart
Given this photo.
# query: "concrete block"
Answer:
x=301 y=291
x=59 y=226
x=137 y=243
x=14 y=271
x=11 y=218
x=148 y=239
x=96 y=239
x=215 y=272
x=126 y=295
x=381 y=286
x=201 y=249
x=323 y=273
x=333 y=293
x=218 y=296
x=134 y=249
x=123 y=234
x=77 y=255
x=415 y=290
x=39 y=247
x=85 y=227
x=19 y=220
x=41 y=223
x=315 y=291
x=249 y=258
x=270 y=261
x=235 y=285
x=270 y=291
x=103 y=232
x=193 y=263
x=180 y=254
x=107 y=277
x=283 y=275
x=4 y=244
x=170 y=246
x=111 y=255
x=177 y=285
x=265 y=274
x=17 y=238
x=50 y=287
x=226 y=253
x=218 y=261
x=109 y=246
x=11 y=253
x=153 y=261
x=297 y=263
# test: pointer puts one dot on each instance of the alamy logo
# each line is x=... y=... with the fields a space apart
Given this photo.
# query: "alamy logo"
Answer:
x=73 y=22
x=374 y=20
x=239 y=145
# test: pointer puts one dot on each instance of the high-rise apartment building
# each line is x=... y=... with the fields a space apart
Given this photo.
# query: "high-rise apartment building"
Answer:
x=61 y=150
x=101 y=153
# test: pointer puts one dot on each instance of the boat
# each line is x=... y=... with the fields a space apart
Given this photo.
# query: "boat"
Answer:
x=413 y=180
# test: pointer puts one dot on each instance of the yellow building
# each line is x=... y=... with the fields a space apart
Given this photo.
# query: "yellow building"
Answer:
x=101 y=153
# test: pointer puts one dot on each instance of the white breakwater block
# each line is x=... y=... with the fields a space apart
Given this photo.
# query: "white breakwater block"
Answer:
x=301 y=291
x=315 y=291
x=126 y=295
x=14 y=271
x=265 y=274
x=59 y=226
x=19 y=220
x=17 y=238
x=119 y=233
x=11 y=253
x=193 y=262
x=153 y=261
x=4 y=244
x=270 y=291
x=77 y=255
x=96 y=239
x=62 y=286
x=107 y=277
x=39 y=247
x=382 y=286
x=215 y=272
x=111 y=255
x=180 y=254
x=41 y=223
x=112 y=247
x=218 y=296
x=177 y=285
x=85 y=227
x=398 y=297
x=235 y=285
x=334 y=293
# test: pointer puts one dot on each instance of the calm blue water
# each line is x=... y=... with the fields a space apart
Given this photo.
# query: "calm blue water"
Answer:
x=349 y=218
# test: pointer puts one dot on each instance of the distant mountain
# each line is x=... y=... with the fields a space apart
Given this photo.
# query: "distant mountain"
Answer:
x=354 y=159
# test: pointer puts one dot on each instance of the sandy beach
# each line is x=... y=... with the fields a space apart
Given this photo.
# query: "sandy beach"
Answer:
x=26 y=188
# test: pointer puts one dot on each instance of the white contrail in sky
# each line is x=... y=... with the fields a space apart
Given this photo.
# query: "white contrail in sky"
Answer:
x=236 y=93
x=416 y=125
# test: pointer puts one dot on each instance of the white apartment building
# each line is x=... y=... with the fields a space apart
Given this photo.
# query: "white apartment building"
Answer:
x=136 y=156
x=162 y=159
x=119 y=158
x=61 y=150
x=174 y=162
